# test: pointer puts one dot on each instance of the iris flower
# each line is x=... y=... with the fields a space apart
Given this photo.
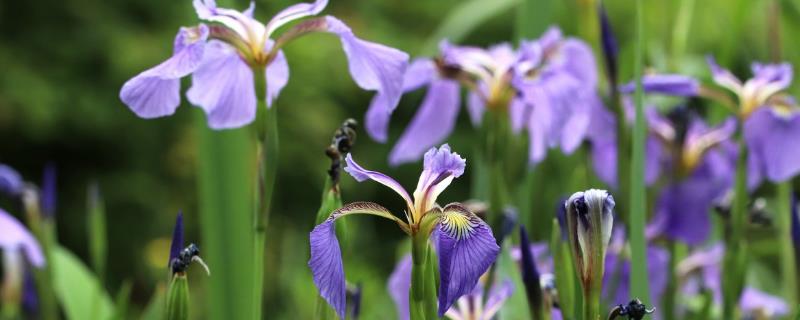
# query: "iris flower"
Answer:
x=771 y=120
x=11 y=182
x=545 y=86
x=224 y=54
x=463 y=242
x=703 y=160
x=15 y=240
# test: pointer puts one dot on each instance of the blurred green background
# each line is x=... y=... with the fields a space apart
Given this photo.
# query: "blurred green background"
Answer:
x=62 y=64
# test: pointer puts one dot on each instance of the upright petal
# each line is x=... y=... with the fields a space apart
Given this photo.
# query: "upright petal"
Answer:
x=156 y=91
x=294 y=12
x=466 y=249
x=327 y=267
x=223 y=87
x=772 y=139
x=440 y=168
x=10 y=181
x=373 y=67
x=277 y=77
x=724 y=77
x=768 y=79
x=242 y=23
x=433 y=122
x=15 y=236
x=361 y=174
x=400 y=285
x=667 y=84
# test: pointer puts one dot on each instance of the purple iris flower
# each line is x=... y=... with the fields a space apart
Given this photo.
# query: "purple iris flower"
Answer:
x=703 y=160
x=771 y=120
x=464 y=243
x=545 y=86
x=702 y=269
x=11 y=182
x=223 y=55
x=15 y=238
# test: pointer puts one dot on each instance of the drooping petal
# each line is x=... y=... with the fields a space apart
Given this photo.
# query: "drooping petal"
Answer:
x=373 y=67
x=419 y=73
x=361 y=174
x=156 y=91
x=441 y=166
x=400 y=285
x=466 y=249
x=326 y=265
x=667 y=84
x=476 y=106
x=277 y=77
x=433 y=122
x=15 y=236
x=294 y=12
x=498 y=295
x=10 y=180
x=223 y=87
x=177 y=238
x=723 y=77
x=772 y=139
x=326 y=256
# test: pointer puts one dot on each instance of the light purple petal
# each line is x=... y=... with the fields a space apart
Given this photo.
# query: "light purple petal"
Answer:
x=466 y=249
x=242 y=23
x=223 y=87
x=294 y=12
x=277 y=77
x=156 y=91
x=498 y=295
x=431 y=125
x=476 y=107
x=14 y=236
x=667 y=84
x=773 y=140
x=361 y=174
x=754 y=301
x=10 y=181
x=441 y=166
x=657 y=270
x=520 y=113
x=539 y=124
x=400 y=286
x=419 y=73
x=373 y=67
x=723 y=77
x=769 y=79
x=326 y=265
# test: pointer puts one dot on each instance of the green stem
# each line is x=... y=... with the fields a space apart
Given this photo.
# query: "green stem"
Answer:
x=178 y=298
x=787 y=258
x=680 y=34
x=496 y=135
x=638 y=208
x=734 y=263
x=44 y=230
x=419 y=253
x=670 y=294
x=591 y=303
x=267 y=161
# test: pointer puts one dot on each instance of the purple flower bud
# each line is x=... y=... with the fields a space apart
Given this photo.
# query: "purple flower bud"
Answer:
x=530 y=274
x=49 y=186
x=177 y=239
x=609 y=42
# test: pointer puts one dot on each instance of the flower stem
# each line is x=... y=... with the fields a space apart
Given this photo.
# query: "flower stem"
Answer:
x=638 y=208
x=419 y=253
x=178 y=298
x=734 y=264
x=267 y=162
x=591 y=303
x=787 y=258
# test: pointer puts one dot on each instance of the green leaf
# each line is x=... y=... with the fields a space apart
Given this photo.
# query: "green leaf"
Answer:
x=96 y=220
x=121 y=303
x=465 y=18
x=638 y=208
x=226 y=195
x=564 y=273
x=77 y=289
x=155 y=308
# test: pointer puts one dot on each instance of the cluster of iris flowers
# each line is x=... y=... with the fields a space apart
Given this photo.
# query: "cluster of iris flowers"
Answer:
x=468 y=259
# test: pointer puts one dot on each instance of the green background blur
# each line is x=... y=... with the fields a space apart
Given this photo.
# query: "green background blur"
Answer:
x=62 y=64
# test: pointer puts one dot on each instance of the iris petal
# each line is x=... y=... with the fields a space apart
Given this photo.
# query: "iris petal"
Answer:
x=10 y=180
x=433 y=122
x=441 y=166
x=326 y=265
x=466 y=249
x=16 y=237
x=294 y=12
x=361 y=174
x=156 y=91
x=771 y=140
x=399 y=286
x=373 y=67
x=223 y=87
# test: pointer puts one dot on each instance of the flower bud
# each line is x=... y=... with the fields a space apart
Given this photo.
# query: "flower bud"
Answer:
x=589 y=224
